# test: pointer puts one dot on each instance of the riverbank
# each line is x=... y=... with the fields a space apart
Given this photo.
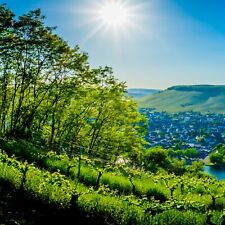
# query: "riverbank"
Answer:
x=207 y=162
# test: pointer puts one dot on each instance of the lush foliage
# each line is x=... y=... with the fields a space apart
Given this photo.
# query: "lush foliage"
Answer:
x=169 y=199
x=217 y=157
x=73 y=139
x=50 y=95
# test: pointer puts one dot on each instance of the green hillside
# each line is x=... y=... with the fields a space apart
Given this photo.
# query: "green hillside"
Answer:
x=200 y=98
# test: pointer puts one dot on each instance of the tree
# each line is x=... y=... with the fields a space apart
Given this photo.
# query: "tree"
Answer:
x=216 y=158
x=196 y=167
x=191 y=153
x=177 y=167
x=50 y=95
x=6 y=50
x=156 y=156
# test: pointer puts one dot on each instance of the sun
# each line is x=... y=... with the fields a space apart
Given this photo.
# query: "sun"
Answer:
x=113 y=20
x=113 y=13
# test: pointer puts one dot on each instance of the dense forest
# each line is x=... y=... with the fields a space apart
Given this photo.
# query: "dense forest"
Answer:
x=72 y=139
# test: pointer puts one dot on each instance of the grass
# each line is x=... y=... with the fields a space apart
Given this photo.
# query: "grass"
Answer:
x=187 y=98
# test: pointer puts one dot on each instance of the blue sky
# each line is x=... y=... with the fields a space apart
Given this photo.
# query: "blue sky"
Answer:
x=171 y=42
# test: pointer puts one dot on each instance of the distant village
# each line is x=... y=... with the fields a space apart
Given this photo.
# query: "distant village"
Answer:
x=185 y=130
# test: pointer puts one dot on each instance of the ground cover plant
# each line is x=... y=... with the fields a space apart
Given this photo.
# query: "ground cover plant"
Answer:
x=180 y=193
x=72 y=138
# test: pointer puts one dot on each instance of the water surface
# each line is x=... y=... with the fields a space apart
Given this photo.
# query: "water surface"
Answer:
x=217 y=172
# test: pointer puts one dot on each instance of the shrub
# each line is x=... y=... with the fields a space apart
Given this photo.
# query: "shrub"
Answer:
x=175 y=217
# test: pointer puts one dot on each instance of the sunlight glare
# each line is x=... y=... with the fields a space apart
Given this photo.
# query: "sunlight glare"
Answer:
x=118 y=20
x=114 y=13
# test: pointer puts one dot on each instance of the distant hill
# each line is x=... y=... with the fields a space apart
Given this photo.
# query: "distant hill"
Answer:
x=199 y=98
x=137 y=93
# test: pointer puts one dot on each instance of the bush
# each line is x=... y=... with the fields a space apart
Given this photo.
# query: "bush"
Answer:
x=157 y=193
x=175 y=217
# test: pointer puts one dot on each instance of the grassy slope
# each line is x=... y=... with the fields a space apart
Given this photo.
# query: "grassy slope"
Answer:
x=202 y=98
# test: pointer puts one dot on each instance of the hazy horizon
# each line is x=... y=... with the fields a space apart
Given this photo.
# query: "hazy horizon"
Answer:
x=164 y=88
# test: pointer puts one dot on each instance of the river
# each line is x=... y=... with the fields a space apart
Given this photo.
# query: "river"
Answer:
x=219 y=173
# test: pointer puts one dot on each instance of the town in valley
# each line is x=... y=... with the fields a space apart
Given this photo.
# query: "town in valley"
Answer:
x=185 y=130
